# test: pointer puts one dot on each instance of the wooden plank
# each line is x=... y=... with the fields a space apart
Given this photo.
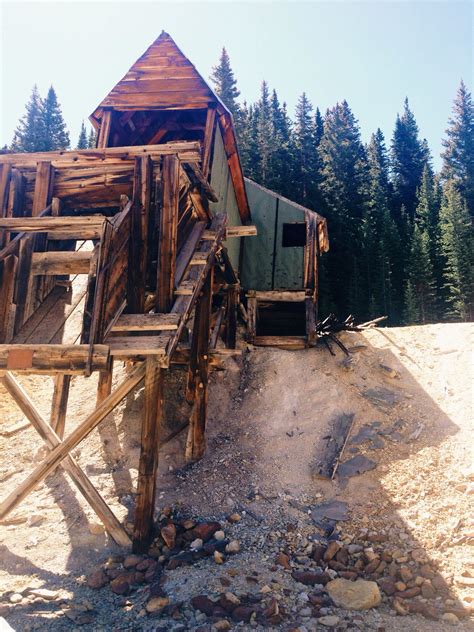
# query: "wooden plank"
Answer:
x=61 y=262
x=148 y=464
x=202 y=209
x=54 y=358
x=62 y=383
x=146 y=322
x=104 y=129
x=5 y=181
x=52 y=440
x=240 y=231
x=251 y=318
x=284 y=342
x=310 y=321
x=7 y=284
x=326 y=466
x=187 y=150
x=217 y=327
x=281 y=295
x=61 y=451
x=136 y=272
x=128 y=346
x=187 y=251
x=198 y=375
x=197 y=176
x=168 y=234
x=208 y=140
x=50 y=225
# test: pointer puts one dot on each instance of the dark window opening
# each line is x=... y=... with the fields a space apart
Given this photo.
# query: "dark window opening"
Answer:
x=294 y=235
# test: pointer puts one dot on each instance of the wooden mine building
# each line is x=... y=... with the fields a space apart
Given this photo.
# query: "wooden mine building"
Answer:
x=161 y=238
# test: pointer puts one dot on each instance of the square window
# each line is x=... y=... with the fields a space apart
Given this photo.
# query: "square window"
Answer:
x=294 y=235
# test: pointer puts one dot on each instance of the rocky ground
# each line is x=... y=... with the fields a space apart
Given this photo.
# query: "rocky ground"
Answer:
x=249 y=538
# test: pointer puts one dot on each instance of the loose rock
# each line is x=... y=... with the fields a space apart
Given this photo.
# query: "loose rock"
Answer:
x=358 y=595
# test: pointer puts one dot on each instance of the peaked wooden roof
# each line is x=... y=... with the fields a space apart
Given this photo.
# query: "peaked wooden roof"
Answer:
x=163 y=78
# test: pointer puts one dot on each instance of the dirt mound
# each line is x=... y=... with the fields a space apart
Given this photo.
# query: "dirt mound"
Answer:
x=410 y=392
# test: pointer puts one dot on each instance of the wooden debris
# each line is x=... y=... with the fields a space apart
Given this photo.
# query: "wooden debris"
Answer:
x=335 y=443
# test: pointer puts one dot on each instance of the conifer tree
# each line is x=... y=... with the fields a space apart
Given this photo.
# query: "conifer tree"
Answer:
x=344 y=189
x=82 y=141
x=409 y=156
x=226 y=88
x=381 y=242
x=458 y=248
x=305 y=157
x=57 y=136
x=264 y=135
x=458 y=154
x=281 y=158
x=427 y=218
x=318 y=128
x=92 y=140
x=30 y=135
x=419 y=295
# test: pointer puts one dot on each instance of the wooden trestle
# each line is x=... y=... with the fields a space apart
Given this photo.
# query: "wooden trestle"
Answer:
x=155 y=262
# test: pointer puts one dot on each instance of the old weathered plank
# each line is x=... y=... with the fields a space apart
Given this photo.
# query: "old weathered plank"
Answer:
x=168 y=234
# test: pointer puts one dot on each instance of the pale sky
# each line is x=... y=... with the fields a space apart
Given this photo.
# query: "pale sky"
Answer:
x=371 y=53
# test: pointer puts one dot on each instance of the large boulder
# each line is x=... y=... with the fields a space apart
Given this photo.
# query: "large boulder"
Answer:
x=358 y=595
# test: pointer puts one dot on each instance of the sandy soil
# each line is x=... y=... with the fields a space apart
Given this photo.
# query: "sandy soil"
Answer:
x=269 y=414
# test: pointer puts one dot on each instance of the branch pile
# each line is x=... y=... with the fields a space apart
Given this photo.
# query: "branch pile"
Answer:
x=327 y=328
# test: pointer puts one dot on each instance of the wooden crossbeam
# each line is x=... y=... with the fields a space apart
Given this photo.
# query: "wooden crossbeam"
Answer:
x=56 y=358
x=127 y=346
x=62 y=450
x=52 y=262
x=52 y=440
x=74 y=225
x=240 y=231
x=146 y=322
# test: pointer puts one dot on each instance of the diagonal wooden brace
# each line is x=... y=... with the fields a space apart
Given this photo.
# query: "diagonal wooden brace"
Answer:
x=52 y=440
x=61 y=451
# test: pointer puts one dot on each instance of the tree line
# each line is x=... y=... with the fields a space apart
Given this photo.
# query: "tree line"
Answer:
x=400 y=235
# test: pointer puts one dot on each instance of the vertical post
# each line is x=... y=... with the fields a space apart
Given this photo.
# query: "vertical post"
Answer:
x=168 y=233
x=310 y=321
x=104 y=385
x=252 y=317
x=5 y=176
x=104 y=129
x=208 y=137
x=232 y=302
x=7 y=283
x=199 y=365
x=150 y=438
x=59 y=403
x=26 y=283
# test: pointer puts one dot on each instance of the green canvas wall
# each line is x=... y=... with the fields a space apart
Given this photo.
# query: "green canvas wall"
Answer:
x=221 y=182
x=267 y=265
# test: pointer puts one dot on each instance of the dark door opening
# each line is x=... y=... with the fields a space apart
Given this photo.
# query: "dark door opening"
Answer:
x=280 y=318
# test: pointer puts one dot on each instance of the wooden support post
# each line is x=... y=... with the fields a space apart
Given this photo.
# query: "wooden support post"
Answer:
x=310 y=321
x=26 y=284
x=16 y=200
x=208 y=140
x=5 y=176
x=150 y=441
x=7 y=284
x=168 y=233
x=252 y=318
x=233 y=300
x=59 y=404
x=104 y=129
x=62 y=449
x=104 y=385
x=199 y=373
x=53 y=441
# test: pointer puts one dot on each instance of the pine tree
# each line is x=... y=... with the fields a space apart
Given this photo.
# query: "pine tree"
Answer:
x=458 y=248
x=264 y=135
x=318 y=128
x=30 y=135
x=344 y=189
x=409 y=156
x=226 y=88
x=458 y=155
x=92 y=140
x=419 y=295
x=305 y=156
x=82 y=141
x=381 y=243
x=427 y=218
x=57 y=136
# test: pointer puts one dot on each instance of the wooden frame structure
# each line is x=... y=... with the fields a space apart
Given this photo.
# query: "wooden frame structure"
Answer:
x=156 y=263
